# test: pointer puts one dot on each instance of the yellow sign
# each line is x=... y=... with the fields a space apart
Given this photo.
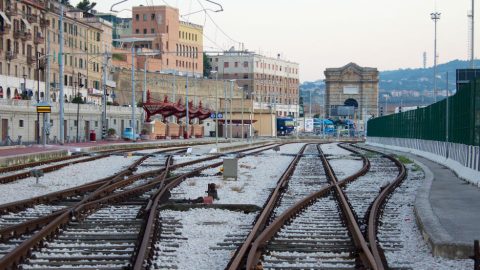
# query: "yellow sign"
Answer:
x=44 y=109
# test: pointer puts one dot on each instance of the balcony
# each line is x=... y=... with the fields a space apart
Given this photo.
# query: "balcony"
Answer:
x=32 y=18
x=11 y=9
x=30 y=60
x=5 y=30
x=39 y=39
x=10 y=55
x=23 y=34
x=44 y=22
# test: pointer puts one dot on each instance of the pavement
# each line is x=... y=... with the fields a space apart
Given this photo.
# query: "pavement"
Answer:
x=447 y=209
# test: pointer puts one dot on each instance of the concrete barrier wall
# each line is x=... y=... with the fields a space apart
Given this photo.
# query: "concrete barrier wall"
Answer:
x=463 y=159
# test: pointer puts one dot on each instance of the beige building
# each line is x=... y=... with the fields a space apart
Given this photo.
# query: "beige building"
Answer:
x=273 y=82
x=25 y=30
x=351 y=92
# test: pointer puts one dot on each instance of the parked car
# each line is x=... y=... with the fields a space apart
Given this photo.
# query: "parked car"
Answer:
x=128 y=134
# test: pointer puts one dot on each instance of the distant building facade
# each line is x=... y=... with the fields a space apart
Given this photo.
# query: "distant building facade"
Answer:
x=27 y=29
x=272 y=82
x=351 y=92
x=180 y=43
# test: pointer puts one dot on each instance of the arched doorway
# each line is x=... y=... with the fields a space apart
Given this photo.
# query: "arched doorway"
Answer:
x=351 y=103
x=1 y=92
x=9 y=94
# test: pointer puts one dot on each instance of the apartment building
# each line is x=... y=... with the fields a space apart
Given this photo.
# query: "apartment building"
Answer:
x=180 y=43
x=272 y=82
x=22 y=28
x=27 y=27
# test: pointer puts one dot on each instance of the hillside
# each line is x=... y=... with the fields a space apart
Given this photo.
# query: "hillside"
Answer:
x=418 y=79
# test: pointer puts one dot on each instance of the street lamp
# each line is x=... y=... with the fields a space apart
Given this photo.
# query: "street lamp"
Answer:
x=132 y=41
x=243 y=97
x=231 y=109
x=146 y=55
x=435 y=17
x=216 y=106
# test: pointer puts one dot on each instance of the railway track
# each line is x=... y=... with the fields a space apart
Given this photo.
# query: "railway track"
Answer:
x=17 y=172
x=315 y=226
x=125 y=194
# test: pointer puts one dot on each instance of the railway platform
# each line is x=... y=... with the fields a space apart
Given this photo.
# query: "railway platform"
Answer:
x=447 y=210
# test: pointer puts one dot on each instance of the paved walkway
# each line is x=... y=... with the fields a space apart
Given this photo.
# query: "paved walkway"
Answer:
x=447 y=209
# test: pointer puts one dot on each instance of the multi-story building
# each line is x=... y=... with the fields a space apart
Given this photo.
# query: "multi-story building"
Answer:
x=120 y=26
x=273 y=82
x=22 y=28
x=180 y=43
x=29 y=30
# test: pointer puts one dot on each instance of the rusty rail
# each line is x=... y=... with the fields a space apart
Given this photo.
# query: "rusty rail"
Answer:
x=262 y=220
x=144 y=256
x=377 y=206
x=266 y=235
x=89 y=204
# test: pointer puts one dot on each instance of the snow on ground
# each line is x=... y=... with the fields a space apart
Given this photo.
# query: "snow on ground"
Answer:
x=64 y=178
x=415 y=253
x=334 y=149
x=257 y=175
x=200 y=230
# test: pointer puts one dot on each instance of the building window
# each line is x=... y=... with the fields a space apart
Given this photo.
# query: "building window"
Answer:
x=225 y=64
x=137 y=32
x=144 y=30
x=144 y=17
x=236 y=64
x=96 y=123
x=20 y=123
x=245 y=76
x=152 y=31
x=153 y=17
x=245 y=64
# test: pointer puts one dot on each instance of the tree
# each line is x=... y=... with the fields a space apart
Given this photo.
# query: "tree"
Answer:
x=85 y=5
x=206 y=66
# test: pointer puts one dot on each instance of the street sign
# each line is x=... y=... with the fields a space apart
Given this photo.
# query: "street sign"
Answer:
x=43 y=107
x=219 y=115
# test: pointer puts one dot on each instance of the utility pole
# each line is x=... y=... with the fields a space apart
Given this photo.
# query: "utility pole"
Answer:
x=174 y=90
x=104 y=96
x=447 y=120
x=187 y=107
x=61 y=94
x=46 y=120
x=472 y=60
x=216 y=108
x=225 y=106
x=231 y=109
x=243 y=97
x=435 y=17
x=133 y=92
x=38 y=98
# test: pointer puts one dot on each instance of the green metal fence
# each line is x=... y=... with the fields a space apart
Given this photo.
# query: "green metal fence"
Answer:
x=430 y=123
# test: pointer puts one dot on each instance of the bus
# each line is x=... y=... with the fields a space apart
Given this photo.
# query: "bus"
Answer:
x=285 y=126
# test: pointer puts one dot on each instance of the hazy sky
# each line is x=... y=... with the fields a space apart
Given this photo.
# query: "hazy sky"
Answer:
x=330 y=33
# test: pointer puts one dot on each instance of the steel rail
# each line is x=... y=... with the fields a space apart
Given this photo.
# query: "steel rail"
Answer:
x=377 y=207
x=238 y=259
x=266 y=235
x=87 y=205
x=144 y=256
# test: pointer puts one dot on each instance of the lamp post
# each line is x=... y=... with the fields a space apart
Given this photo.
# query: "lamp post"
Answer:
x=132 y=41
x=231 y=109
x=243 y=97
x=216 y=106
x=435 y=17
